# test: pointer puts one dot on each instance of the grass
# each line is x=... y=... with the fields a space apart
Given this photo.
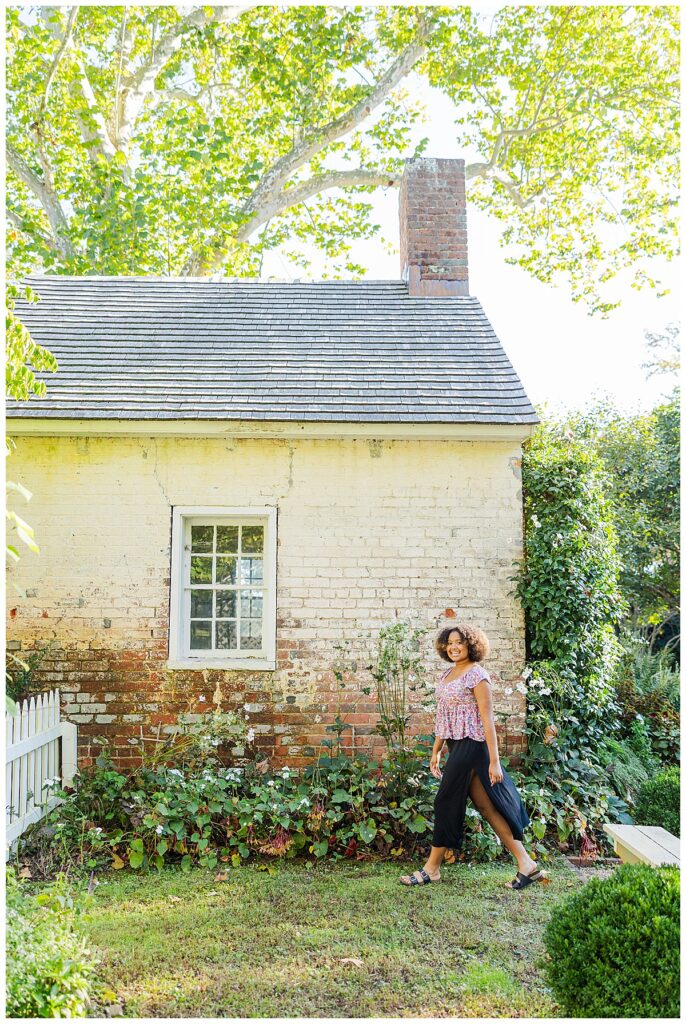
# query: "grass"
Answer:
x=337 y=940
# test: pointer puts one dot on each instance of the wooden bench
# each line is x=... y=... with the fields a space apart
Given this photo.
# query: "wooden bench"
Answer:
x=644 y=844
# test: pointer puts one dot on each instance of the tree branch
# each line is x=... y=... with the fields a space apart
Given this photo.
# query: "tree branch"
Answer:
x=313 y=186
x=18 y=222
x=142 y=83
x=46 y=197
x=95 y=136
x=270 y=197
x=276 y=177
x=58 y=57
x=289 y=198
x=176 y=93
x=488 y=170
x=123 y=37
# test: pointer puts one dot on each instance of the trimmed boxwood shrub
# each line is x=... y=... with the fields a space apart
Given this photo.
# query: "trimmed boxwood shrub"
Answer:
x=613 y=946
x=658 y=801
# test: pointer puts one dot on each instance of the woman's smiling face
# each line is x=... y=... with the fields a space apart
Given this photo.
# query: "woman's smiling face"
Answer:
x=457 y=647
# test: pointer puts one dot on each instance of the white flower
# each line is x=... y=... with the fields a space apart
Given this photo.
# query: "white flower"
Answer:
x=536 y=682
x=159 y=829
x=521 y=687
x=271 y=782
x=412 y=678
x=202 y=699
x=175 y=771
x=508 y=691
x=546 y=690
x=527 y=672
x=216 y=742
x=251 y=735
x=304 y=802
x=535 y=521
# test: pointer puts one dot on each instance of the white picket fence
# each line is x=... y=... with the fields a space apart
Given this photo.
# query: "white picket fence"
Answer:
x=40 y=747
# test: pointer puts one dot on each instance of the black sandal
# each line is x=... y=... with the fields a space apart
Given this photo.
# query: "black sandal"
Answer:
x=415 y=881
x=522 y=880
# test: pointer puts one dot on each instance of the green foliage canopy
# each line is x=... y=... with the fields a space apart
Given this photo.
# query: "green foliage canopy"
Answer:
x=167 y=140
x=640 y=454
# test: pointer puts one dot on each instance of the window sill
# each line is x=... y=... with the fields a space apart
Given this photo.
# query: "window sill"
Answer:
x=240 y=664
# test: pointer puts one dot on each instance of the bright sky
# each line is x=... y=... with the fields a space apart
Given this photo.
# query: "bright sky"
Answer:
x=564 y=357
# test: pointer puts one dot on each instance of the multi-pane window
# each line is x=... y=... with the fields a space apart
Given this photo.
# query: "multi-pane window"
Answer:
x=226 y=583
x=224 y=575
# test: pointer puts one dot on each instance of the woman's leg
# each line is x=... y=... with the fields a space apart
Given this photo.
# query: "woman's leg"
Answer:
x=449 y=808
x=486 y=808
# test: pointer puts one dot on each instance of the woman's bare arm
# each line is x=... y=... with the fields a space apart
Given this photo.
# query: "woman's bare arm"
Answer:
x=484 y=698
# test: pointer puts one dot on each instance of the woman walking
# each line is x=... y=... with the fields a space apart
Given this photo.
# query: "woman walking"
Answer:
x=464 y=721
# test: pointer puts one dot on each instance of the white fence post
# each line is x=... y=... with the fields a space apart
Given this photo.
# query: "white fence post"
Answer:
x=39 y=745
x=69 y=748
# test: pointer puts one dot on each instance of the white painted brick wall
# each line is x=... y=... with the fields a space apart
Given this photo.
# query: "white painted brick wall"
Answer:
x=416 y=527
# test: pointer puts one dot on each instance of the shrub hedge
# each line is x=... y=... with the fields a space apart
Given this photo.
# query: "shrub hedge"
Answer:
x=613 y=947
x=658 y=801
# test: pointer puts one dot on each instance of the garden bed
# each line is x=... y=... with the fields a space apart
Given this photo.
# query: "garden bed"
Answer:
x=331 y=940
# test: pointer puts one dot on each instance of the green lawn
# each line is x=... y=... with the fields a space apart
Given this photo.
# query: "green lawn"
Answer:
x=260 y=945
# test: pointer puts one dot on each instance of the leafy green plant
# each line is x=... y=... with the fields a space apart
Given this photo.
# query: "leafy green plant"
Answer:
x=562 y=775
x=568 y=580
x=23 y=355
x=658 y=673
x=659 y=719
x=200 y=738
x=637 y=738
x=19 y=675
x=340 y=806
x=613 y=947
x=625 y=767
x=50 y=970
x=658 y=801
x=398 y=673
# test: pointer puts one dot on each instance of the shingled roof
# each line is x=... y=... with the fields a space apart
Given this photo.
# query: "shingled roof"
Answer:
x=147 y=348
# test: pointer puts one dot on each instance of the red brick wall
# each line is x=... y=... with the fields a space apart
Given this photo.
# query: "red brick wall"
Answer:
x=127 y=697
x=433 y=227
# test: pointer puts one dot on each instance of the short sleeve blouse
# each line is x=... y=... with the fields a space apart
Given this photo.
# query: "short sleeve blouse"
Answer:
x=457 y=712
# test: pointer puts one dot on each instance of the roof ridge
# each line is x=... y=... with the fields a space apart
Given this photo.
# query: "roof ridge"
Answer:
x=244 y=281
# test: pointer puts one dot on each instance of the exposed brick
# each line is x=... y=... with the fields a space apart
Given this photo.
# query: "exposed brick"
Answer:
x=433 y=221
x=420 y=527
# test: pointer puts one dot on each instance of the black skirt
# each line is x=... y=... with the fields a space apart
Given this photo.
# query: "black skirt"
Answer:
x=468 y=756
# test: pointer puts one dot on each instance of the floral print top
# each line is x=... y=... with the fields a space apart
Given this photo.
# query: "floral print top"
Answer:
x=457 y=712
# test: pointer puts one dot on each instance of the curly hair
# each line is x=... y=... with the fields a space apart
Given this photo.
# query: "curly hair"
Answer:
x=477 y=642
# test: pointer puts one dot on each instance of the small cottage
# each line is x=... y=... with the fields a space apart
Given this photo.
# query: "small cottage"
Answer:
x=235 y=480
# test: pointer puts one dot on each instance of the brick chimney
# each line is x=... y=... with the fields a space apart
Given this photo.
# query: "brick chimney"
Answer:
x=433 y=228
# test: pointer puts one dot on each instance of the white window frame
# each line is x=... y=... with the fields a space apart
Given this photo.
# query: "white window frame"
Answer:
x=180 y=655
